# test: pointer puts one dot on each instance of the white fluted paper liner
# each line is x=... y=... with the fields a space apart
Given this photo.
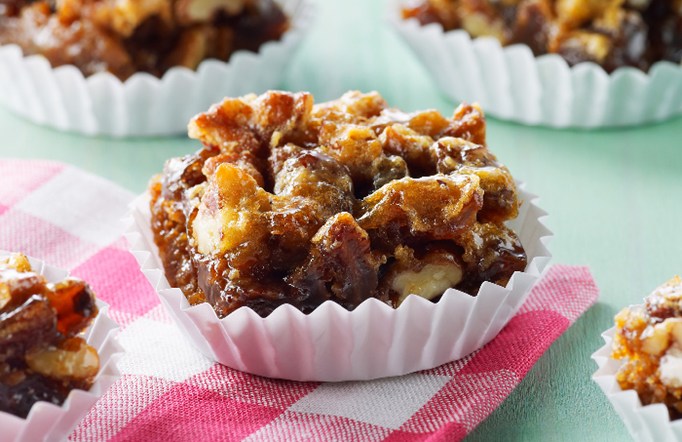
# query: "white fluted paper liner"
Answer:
x=143 y=105
x=49 y=422
x=646 y=423
x=334 y=344
x=511 y=83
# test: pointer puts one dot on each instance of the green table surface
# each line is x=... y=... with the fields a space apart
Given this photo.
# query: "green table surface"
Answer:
x=613 y=197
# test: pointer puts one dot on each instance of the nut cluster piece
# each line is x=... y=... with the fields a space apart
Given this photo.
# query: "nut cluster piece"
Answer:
x=612 y=33
x=649 y=340
x=128 y=36
x=42 y=358
x=291 y=202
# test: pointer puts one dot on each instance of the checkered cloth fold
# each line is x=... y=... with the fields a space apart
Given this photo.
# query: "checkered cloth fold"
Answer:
x=169 y=391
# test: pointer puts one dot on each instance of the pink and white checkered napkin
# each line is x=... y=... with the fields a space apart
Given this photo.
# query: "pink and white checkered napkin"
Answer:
x=169 y=391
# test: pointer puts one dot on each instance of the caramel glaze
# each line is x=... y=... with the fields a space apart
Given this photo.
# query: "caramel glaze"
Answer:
x=335 y=198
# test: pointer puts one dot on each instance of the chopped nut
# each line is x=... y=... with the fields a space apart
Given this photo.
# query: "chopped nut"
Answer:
x=196 y=11
x=40 y=360
x=655 y=340
x=595 y=46
x=16 y=261
x=648 y=340
x=229 y=211
x=480 y=25
x=576 y=12
x=72 y=360
x=429 y=282
x=301 y=203
x=125 y=16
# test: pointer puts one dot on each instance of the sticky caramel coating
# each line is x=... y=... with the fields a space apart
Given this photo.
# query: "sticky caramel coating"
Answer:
x=292 y=202
x=128 y=36
x=649 y=340
x=612 y=33
x=41 y=356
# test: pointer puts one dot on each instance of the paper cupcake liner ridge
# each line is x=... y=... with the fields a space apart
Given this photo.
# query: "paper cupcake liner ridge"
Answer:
x=334 y=344
x=512 y=84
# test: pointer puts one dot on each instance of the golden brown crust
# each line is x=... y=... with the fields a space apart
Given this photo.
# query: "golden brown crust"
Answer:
x=301 y=203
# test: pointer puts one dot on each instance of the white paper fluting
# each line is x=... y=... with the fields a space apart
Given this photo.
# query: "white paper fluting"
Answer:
x=143 y=105
x=334 y=344
x=650 y=423
x=511 y=83
x=49 y=422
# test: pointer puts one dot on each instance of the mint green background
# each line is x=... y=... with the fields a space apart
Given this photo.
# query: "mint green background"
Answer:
x=614 y=199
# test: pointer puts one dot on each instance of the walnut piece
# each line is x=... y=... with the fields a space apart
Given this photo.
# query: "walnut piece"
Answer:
x=41 y=356
x=649 y=340
x=201 y=11
x=428 y=277
x=295 y=202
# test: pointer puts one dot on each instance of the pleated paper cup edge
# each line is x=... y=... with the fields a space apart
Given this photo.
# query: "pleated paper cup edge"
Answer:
x=42 y=108
x=605 y=116
x=146 y=254
x=78 y=402
x=626 y=402
x=141 y=245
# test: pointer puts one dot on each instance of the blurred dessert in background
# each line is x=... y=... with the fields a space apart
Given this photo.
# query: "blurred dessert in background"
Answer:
x=128 y=36
x=611 y=33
